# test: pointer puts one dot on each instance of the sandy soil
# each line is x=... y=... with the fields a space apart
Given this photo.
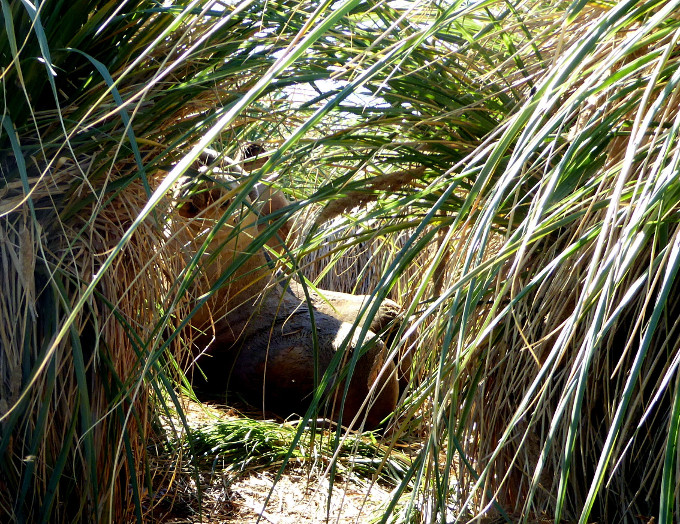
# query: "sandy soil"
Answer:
x=299 y=497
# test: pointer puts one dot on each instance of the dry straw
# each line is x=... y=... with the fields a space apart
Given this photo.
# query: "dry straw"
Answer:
x=547 y=358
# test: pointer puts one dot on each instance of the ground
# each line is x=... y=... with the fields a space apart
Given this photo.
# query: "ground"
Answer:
x=299 y=497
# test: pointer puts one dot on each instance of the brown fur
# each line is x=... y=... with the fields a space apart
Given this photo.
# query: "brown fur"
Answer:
x=257 y=337
x=343 y=306
x=347 y=307
x=270 y=201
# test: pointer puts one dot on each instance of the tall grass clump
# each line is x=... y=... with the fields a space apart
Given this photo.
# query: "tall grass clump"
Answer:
x=553 y=336
x=545 y=192
x=104 y=106
x=515 y=166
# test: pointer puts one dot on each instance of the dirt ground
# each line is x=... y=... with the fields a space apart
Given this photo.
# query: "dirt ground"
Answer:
x=299 y=497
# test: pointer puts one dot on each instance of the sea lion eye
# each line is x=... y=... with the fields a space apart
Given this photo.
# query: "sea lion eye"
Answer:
x=253 y=150
x=190 y=208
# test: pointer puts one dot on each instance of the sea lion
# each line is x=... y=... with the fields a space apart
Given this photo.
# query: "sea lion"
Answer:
x=347 y=307
x=256 y=337
x=266 y=200
x=344 y=306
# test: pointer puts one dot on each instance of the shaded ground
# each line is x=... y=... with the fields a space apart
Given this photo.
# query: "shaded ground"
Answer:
x=300 y=495
x=296 y=498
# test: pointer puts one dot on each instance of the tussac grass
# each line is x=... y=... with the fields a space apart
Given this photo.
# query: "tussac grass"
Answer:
x=244 y=445
x=538 y=236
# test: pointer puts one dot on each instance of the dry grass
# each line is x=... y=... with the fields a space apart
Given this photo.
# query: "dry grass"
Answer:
x=533 y=360
x=136 y=304
x=522 y=384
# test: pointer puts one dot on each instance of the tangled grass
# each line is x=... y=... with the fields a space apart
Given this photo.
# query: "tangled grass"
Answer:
x=514 y=168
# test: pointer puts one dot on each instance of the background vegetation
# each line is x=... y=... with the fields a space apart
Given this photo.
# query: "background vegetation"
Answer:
x=510 y=167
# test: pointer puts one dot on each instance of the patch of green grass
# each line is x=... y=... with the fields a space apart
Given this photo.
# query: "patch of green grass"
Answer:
x=240 y=445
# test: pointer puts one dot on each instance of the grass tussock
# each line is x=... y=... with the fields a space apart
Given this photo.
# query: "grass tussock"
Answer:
x=246 y=445
x=508 y=175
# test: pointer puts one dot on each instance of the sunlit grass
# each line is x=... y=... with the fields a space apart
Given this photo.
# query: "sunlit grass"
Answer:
x=512 y=179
